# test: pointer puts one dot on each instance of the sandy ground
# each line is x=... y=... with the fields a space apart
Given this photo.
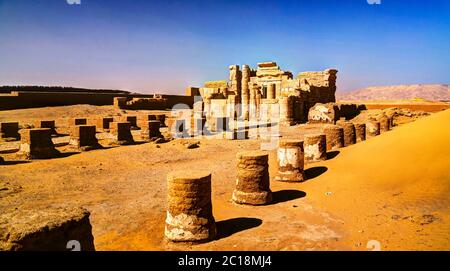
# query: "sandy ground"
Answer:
x=392 y=188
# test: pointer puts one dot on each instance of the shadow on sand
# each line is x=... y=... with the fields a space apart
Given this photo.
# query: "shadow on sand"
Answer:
x=332 y=154
x=286 y=195
x=314 y=172
x=226 y=228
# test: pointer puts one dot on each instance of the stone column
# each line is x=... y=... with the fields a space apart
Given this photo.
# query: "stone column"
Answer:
x=245 y=93
x=334 y=136
x=315 y=147
x=189 y=208
x=221 y=124
x=360 y=131
x=286 y=111
x=231 y=108
x=258 y=103
x=372 y=128
x=271 y=88
x=290 y=158
x=349 y=132
x=254 y=91
x=235 y=79
x=385 y=123
x=252 y=184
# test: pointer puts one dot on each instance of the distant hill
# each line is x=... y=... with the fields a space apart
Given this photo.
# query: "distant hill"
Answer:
x=8 y=89
x=399 y=92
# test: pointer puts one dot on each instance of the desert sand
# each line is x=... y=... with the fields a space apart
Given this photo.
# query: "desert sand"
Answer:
x=392 y=188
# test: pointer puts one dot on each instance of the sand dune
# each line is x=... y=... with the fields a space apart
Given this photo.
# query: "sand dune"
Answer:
x=393 y=188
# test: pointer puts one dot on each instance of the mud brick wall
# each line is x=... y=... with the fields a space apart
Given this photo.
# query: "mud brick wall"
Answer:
x=321 y=85
x=18 y=100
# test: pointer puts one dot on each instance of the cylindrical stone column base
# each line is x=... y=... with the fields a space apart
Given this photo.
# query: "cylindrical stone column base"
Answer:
x=360 y=131
x=290 y=158
x=349 y=132
x=334 y=136
x=252 y=184
x=189 y=208
x=372 y=128
x=385 y=123
x=315 y=147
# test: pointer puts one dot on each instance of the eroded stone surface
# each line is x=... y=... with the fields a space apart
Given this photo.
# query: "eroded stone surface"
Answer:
x=252 y=183
x=290 y=158
x=189 y=208
x=45 y=229
x=315 y=147
x=36 y=144
x=334 y=137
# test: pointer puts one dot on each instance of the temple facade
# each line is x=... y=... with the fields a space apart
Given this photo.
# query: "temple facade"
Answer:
x=265 y=92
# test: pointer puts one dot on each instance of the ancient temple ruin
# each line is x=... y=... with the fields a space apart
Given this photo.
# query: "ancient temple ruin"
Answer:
x=265 y=93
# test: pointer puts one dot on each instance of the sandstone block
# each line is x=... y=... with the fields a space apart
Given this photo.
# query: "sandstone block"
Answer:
x=48 y=229
x=83 y=137
x=37 y=144
x=9 y=130
x=46 y=124
x=121 y=132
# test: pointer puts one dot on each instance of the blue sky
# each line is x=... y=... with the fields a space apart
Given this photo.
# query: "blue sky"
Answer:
x=163 y=46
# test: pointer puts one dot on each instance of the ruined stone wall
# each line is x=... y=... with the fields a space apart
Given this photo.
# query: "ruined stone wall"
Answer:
x=321 y=85
x=18 y=100
x=162 y=102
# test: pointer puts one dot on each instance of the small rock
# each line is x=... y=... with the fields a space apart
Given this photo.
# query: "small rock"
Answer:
x=328 y=193
x=192 y=145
